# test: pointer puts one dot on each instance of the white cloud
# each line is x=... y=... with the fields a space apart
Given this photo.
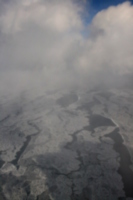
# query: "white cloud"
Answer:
x=42 y=44
x=55 y=15
x=116 y=41
x=109 y=46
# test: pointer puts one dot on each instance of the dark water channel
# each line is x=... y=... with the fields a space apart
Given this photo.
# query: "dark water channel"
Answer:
x=20 y=152
x=26 y=143
x=125 y=162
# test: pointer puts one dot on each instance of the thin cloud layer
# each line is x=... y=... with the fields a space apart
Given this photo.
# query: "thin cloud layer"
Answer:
x=43 y=44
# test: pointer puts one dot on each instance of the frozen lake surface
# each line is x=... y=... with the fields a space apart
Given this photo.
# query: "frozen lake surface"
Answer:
x=67 y=145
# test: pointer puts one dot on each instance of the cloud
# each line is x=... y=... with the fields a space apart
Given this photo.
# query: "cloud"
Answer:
x=108 y=50
x=55 y=15
x=114 y=42
x=42 y=44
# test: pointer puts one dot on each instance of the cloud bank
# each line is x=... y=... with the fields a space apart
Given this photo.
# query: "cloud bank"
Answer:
x=46 y=44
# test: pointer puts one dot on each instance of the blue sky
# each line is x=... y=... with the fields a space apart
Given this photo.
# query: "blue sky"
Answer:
x=95 y=6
